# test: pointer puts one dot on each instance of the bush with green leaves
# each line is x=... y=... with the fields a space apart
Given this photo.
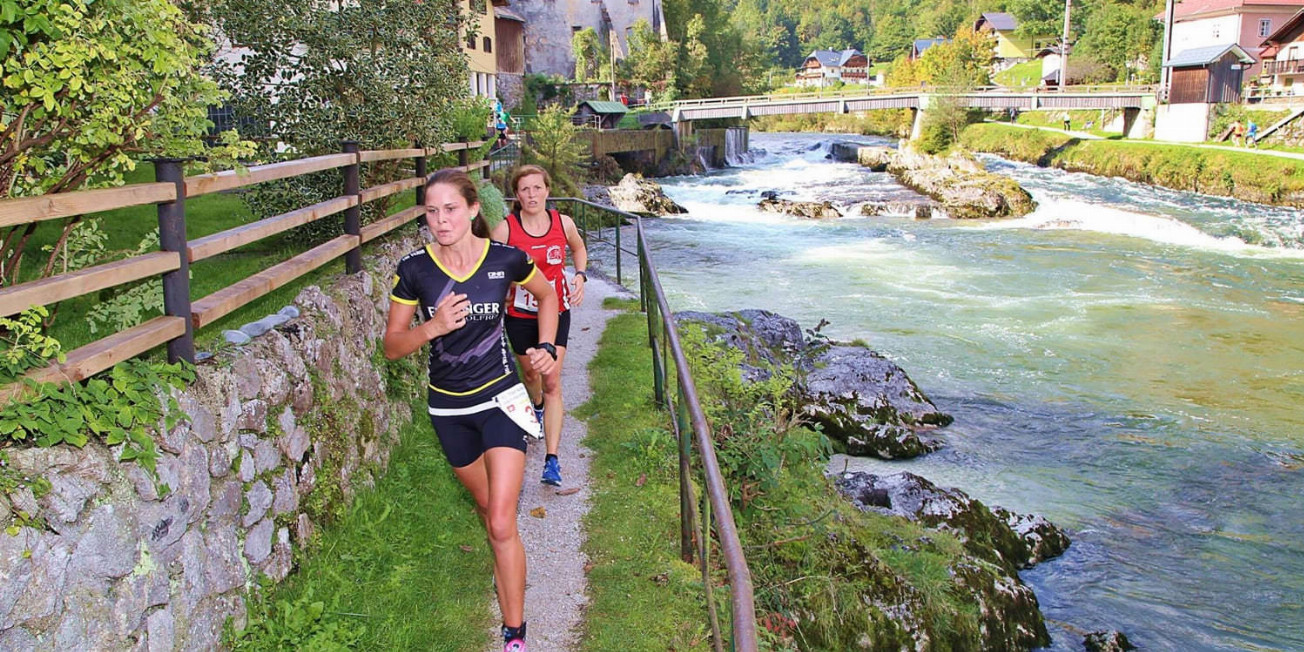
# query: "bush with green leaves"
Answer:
x=386 y=75
x=304 y=624
x=26 y=347
x=555 y=145
x=121 y=409
x=752 y=421
x=89 y=87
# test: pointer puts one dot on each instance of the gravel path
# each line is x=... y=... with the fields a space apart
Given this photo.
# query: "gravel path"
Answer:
x=556 y=590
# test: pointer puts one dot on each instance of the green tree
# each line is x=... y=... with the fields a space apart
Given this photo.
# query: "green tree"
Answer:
x=555 y=144
x=1119 y=35
x=591 y=58
x=313 y=73
x=964 y=61
x=1038 y=17
x=651 y=61
x=90 y=86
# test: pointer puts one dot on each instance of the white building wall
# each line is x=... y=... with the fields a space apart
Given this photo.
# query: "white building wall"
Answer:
x=1203 y=32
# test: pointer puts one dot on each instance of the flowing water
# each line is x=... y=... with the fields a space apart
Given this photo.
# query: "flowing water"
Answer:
x=1127 y=361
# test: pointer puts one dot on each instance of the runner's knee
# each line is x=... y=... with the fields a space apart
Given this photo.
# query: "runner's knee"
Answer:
x=502 y=526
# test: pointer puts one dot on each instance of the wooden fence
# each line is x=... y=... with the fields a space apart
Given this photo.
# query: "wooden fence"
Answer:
x=182 y=315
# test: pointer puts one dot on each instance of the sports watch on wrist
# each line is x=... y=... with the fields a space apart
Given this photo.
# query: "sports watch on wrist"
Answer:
x=580 y=272
x=547 y=346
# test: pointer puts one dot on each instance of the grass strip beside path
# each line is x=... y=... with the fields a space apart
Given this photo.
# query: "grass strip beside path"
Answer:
x=408 y=561
x=642 y=596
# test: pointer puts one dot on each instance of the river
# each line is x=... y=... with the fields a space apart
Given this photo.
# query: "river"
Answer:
x=1127 y=361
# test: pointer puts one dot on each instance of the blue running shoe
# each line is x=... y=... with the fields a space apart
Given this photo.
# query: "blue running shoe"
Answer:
x=552 y=472
x=538 y=414
x=515 y=645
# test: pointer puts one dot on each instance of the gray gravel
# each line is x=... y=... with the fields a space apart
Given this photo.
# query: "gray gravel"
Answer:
x=556 y=589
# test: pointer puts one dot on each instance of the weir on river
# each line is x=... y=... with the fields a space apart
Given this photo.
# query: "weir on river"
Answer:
x=1127 y=361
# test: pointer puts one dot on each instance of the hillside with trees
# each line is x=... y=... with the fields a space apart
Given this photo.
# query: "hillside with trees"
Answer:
x=727 y=47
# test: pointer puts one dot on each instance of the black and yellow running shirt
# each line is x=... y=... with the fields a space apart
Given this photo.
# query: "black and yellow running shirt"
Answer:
x=475 y=356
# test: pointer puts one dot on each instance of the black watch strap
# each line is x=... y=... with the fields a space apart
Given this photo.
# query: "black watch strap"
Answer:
x=547 y=346
x=582 y=273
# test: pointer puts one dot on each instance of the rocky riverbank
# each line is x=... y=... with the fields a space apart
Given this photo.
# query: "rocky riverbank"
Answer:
x=634 y=194
x=871 y=407
x=1242 y=175
x=962 y=188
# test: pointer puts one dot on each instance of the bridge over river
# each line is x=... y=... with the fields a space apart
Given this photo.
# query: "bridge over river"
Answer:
x=1134 y=101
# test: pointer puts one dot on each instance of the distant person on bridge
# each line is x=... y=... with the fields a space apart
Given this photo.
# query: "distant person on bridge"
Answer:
x=480 y=411
x=544 y=234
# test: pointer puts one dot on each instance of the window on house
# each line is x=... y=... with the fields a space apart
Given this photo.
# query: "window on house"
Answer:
x=1265 y=27
x=1216 y=32
x=470 y=41
x=488 y=45
x=479 y=6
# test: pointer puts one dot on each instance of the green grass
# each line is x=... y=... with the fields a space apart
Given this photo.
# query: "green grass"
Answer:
x=1079 y=120
x=643 y=596
x=1020 y=75
x=408 y=561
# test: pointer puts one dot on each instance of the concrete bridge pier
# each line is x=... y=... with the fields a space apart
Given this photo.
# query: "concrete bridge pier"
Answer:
x=683 y=131
x=917 y=117
x=1138 y=122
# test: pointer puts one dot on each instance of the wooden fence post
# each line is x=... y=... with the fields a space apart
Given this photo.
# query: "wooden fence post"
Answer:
x=421 y=172
x=352 y=215
x=463 y=155
x=172 y=237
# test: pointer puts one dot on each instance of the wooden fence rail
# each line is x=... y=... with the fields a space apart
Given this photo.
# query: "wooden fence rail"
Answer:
x=183 y=314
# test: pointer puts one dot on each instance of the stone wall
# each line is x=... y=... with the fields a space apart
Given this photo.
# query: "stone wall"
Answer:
x=549 y=26
x=281 y=433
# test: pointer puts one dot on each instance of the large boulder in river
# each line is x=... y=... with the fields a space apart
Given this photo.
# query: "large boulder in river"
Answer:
x=634 y=194
x=961 y=185
x=817 y=210
x=859 y=397
x=997 y=535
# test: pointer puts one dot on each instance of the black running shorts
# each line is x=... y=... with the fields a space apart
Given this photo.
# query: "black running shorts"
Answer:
x=465 y=437
x=523 y=332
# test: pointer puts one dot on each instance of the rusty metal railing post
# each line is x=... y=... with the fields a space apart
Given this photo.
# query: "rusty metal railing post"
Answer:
x=619 y=279
x=172 y=237
x=685 y=483
x=353 y=214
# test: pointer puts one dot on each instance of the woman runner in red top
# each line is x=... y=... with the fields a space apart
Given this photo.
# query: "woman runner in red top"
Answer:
x=480 y=412
x=544 y=235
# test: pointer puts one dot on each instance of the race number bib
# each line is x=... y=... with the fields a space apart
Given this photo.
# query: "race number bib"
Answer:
x=525 y=302
x=515 y=403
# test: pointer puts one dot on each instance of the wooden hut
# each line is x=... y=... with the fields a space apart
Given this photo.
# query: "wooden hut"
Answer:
x=606 y=114
x=1207 y=75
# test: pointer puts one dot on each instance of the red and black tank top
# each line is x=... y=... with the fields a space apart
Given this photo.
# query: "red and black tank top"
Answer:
x=549 y=254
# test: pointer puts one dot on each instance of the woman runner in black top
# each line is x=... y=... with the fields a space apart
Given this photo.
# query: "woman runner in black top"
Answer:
x=459 y=285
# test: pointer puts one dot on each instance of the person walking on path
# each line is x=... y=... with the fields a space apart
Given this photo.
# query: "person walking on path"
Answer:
x=1238 y=130
x=545 y=235
x=1067 y=120
x=478 y=408
x=1252 y=134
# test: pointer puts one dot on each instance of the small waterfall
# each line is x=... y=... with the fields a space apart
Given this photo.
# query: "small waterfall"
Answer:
x=735 y=146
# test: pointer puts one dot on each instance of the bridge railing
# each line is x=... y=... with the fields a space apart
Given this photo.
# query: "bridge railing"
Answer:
x=1101 y=89
x=690 y=427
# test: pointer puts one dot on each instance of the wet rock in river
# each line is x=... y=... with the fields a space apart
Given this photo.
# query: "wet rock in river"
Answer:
x=634 y=194
x=818 y=210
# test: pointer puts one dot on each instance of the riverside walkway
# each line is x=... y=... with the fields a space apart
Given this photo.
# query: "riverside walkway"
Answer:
x=1299 y=156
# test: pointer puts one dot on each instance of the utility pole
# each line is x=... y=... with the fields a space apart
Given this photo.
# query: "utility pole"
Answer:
x=1064 y=49
x=1165 y=73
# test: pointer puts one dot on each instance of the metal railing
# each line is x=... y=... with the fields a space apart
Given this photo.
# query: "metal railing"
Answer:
x=690 y=425
x=1287 y=67
x=1103 y=89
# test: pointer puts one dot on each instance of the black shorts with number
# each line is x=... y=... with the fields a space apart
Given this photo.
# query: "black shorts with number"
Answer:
x=523 y=332
x=465 y=437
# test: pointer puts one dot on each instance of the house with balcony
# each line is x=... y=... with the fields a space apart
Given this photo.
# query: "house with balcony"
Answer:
x=1283 y=59
x=1011 y=48
x=1206 y=23
x=479 y=42
x=825 y=67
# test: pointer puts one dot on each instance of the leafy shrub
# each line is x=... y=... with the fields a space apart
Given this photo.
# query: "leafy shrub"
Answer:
x=304 y=624
x=26 y=347
x=492 y=204
x=120 y=410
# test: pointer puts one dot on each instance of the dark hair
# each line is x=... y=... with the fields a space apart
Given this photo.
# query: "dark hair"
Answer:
x=466 y=187
x=522 y=172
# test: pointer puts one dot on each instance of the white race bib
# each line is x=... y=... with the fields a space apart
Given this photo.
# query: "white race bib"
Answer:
x=515 y=403
x=525 y=302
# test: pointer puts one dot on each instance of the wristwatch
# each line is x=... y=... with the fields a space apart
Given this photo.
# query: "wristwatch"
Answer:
x=547 y=346
x=580 y=272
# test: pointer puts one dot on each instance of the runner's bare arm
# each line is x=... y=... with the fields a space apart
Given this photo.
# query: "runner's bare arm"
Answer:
x=580 y=256
x=500 y=232
x=541 y=288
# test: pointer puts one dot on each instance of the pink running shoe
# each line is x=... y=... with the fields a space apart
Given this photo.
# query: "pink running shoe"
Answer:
x=515 y=645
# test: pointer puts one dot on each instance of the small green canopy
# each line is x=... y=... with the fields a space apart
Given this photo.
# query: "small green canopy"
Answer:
x=602 y=107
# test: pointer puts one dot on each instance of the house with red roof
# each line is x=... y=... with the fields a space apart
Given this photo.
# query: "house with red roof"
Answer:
x=1206 y=23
